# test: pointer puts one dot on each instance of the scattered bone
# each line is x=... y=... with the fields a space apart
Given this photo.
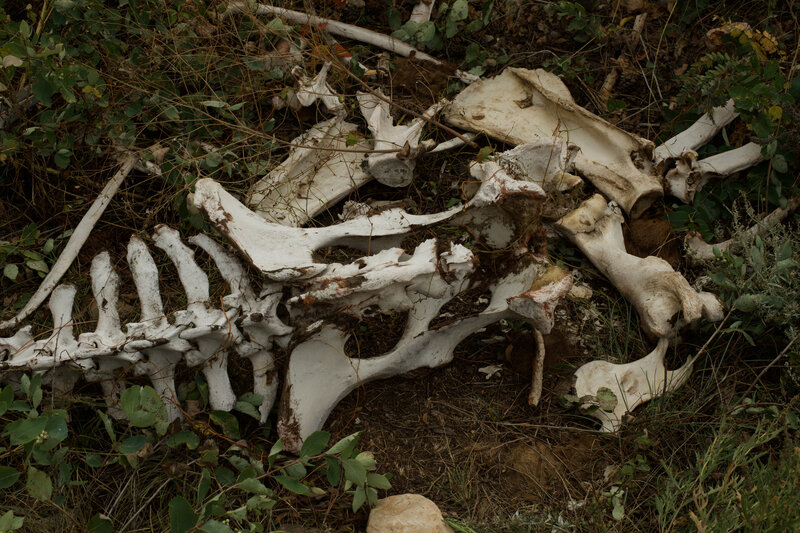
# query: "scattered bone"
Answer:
x=521 y=106
x=342 y=29
x=287 y=253
x=406 y=513
x=546 y=163
x=422 y=11
x=658 y=293
x=74 y=244
x=633 y=383
x=320 y=373
x=696 y=135
x=690 y=175
x=393 y=169
x=316 y=175
x=700 y=250
x=538 y=370
x=310 y=90
x=490 y=371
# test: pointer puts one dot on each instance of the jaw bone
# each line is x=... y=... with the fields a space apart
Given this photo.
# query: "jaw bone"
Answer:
x=658 y=293
x=316 y=174
x=284 y=253
x=320 y=373
x=393 y=169
x=633 y=383
x=521 y=106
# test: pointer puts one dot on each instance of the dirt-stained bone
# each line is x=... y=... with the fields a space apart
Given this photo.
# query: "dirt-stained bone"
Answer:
x=664 y=299
x=633 y=383
x=521 y=106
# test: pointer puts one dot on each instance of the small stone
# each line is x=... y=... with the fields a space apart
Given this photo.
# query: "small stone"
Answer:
x=580 y=292
x=407 y=513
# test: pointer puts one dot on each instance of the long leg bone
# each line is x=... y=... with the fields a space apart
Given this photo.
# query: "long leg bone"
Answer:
x=320 y=373
x=658 y=293
x=392 y=169
x=696 y=135
x=633 y=383
x=521 y=106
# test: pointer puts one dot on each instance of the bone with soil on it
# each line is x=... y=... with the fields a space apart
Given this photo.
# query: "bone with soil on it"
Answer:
x=74 y=244
x=537 y=373
x=315 y=175
x=690 y=175
x=259 y=323
x=658 y=293
x=633 y=383
x=210 y=330
x=320 y=373
x=700 y=250
x=521 y=106
x=546 y=163
x=696 y=135
x=312 y=89
x=284 y=253
x=343 y=30
x=392 y=169
x=422 y=11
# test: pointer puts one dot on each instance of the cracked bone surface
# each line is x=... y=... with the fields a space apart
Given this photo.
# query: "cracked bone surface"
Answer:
x=662 y=297
x=320 y=373
x=200 y=335
x=315 y=175
x=392 y=169
x=284 y=253
x=633 y=383
x=521 y=106
x=690 y=174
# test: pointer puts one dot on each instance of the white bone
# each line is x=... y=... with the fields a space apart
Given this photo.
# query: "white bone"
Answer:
x=260 y=323
x=700 y=250
x=696 y=135
x=658 y=293
x=316 y=174
x=422 y=11
x=633 y=383
x=211 y=330
x=312 y=89
x=521 y=106
x=287 y=253
x=691 y=175
x=546 y=163
x=392 y=169
x=537 y=373
x=320 y=373
x=74 y=244
x=342 y=29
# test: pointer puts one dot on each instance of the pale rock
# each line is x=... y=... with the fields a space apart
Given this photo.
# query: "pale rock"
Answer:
x=407 y=513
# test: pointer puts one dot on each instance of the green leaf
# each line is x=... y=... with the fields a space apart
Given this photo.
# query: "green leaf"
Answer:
x=746 y=303
x=619 y=510
x=315 y=443
x=6 y=398
x=248 y=409
x=606 y=399
x=333 y=471
x=203 y=485
x=132 y=444
x=38 y=484
x=94 y=460
x=11 y=271
x=214 y=103
x=43 y=90
x=25 y=29
x=98 y=524
x=8 y=476
x=144 y=408
x=24 y=431
x=359 y=498
x=228 y=423
x=345 y=443
x=253 y=486
x=108 y=425
x=291 y=484
x=181 y=515
x=213 y=526
x=779 y=164
x=184 y=436
x=460 y=10
x=37 y=265
x=9 y=522
x=354 y=471
x=378 y=481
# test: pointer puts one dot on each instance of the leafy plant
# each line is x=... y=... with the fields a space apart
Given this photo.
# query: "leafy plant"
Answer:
x=448 y=22
x=583 y=25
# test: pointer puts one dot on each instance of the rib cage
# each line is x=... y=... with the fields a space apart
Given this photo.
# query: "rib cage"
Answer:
x=200 y=335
